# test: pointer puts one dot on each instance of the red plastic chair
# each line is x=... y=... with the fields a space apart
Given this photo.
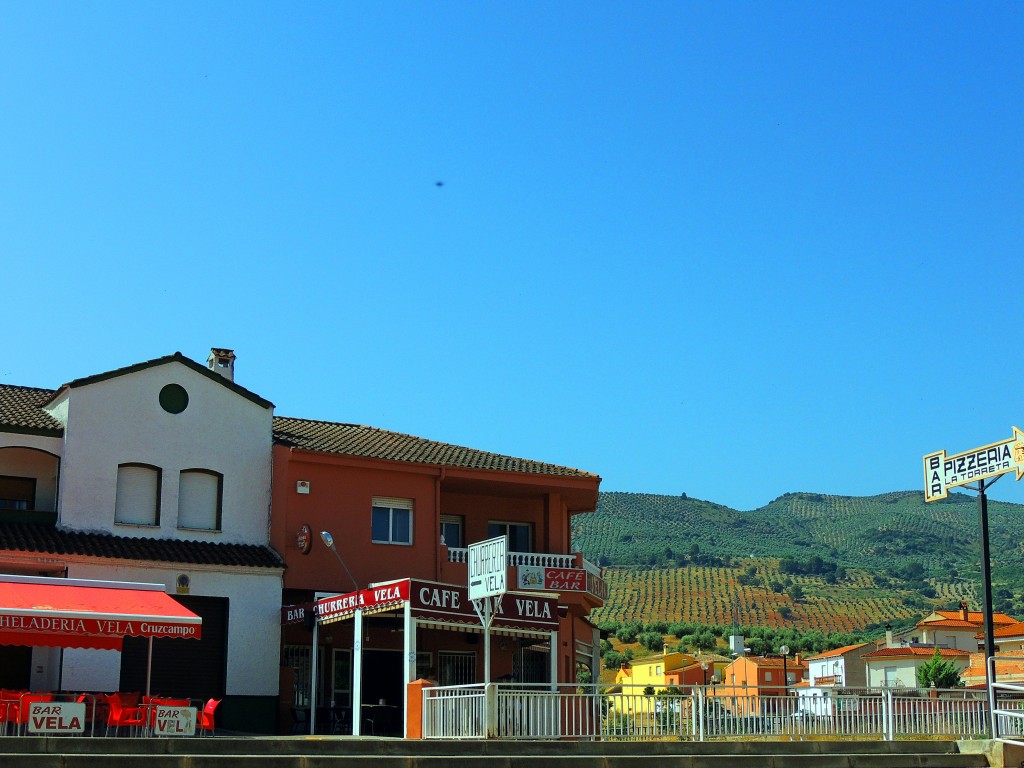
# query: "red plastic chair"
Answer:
x=206 y=717
x=123 y=715
x=21 y=708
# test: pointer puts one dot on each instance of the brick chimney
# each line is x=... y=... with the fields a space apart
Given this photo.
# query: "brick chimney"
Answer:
x=222 y=361
x=963 y=610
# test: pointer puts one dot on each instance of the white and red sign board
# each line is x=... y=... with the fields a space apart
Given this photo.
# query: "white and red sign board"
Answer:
x=373 y=599
x=174 y=721
x=56 y=717
x=551 y=579
x=447 y=603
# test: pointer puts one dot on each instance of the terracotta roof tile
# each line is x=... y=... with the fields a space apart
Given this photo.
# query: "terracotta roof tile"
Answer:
x=837 y=651
x=42 y=538
x=977 y=617
x=371 y=442
x=20 y=411
x=948 y=624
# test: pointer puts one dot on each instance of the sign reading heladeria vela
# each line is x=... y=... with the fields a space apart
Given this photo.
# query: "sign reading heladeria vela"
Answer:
x=942 y=472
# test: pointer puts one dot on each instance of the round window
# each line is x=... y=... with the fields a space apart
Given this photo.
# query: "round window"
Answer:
x=173 y=398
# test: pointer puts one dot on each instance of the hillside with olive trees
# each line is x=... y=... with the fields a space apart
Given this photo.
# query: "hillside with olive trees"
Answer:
x=806 y=561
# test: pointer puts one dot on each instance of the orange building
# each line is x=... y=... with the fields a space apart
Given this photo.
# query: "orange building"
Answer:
x=748 y=679
x=401 y=511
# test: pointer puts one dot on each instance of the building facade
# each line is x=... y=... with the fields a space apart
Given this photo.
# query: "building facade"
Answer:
x=159 y=472
x=403 y=510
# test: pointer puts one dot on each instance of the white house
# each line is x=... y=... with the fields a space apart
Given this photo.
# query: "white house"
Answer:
x=156 y=472
x=897 y=667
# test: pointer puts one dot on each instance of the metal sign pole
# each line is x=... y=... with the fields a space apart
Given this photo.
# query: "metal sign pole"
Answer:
x=944 y=471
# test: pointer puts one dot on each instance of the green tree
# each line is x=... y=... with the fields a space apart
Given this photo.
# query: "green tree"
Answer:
x=943 y=674
x=652 y=641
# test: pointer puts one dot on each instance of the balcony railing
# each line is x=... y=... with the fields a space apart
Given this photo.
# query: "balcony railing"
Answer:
x=596 y=584
x=461 y=555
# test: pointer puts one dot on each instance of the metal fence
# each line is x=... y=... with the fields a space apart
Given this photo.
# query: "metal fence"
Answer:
x=1006 y=700
x=517 y=711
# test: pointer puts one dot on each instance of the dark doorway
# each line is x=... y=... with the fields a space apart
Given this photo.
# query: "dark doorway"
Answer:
x=15 y=667
x=384 y=679
x=186 y=668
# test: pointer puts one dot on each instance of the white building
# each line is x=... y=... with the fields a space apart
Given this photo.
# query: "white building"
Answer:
x=157 y=472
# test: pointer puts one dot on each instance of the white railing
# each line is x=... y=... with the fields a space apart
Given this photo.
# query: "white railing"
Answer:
x=454 y=712
x=1006 y=700
x=543 y=559
x=516 y=711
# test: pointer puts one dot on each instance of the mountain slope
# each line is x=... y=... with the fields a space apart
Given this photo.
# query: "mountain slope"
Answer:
x=895 y=555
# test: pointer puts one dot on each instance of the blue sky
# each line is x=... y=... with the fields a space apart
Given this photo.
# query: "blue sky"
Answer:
x=727 y=249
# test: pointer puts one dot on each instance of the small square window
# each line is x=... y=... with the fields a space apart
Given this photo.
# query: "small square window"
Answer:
x=391 y=522
x=451 y=531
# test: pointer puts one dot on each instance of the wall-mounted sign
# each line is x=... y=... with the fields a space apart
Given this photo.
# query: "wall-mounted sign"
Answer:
x=942 y=472
x=304 y=539
x=551 y=579
x=182 y=584
x=302 y=486
x=294 y=614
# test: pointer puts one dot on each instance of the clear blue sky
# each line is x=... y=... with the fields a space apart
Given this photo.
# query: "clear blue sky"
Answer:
x=727 y=249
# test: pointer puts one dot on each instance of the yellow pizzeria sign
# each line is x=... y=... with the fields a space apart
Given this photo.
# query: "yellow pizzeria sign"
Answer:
x=942 y=472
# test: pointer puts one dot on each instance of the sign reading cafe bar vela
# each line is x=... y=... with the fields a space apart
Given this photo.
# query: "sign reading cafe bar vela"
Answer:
x=942 y=472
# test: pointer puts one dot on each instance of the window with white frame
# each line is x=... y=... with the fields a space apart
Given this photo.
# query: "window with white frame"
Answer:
x=200 y=496
x=137 y=500
x=520 y=535
x=391 y=521
x=451 y=531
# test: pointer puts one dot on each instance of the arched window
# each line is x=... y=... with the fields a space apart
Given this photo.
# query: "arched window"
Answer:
x=200 y=496
x=138 y=495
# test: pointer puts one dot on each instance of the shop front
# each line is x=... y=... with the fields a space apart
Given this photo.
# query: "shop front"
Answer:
x=369 y=644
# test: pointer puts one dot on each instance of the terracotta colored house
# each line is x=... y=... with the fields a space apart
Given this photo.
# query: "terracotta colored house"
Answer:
x=401 y=511
x=749 y=678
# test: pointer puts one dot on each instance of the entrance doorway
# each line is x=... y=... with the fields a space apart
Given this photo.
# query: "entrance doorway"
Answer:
x=383 y=677
x=15 y=667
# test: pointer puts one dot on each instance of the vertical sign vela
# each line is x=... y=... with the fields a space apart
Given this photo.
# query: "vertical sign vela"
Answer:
x=488 y=569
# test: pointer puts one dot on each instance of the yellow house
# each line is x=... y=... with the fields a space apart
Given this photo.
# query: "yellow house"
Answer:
x=652 y=674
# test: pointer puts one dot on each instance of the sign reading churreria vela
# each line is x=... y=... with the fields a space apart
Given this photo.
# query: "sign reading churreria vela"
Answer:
x=942 y=472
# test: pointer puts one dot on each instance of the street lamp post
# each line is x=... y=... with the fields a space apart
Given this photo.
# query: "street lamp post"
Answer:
x=704 y=667
x=328 y=540
x=784 y=650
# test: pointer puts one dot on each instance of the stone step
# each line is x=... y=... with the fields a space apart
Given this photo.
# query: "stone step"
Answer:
x=263 y=760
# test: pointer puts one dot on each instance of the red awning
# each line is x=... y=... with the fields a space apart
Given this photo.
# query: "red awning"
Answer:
x=75 y=613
